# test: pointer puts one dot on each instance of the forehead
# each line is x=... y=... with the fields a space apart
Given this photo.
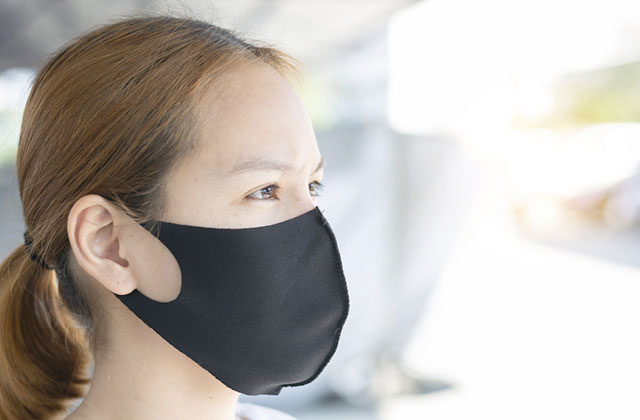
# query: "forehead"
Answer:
x=253 y=112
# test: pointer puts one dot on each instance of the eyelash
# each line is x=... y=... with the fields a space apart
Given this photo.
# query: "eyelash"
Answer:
x=275 y=188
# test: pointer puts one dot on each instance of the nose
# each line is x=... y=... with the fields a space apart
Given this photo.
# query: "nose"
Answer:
x=302 y=201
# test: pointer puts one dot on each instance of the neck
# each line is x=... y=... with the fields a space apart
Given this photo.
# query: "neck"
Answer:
x=138 y=375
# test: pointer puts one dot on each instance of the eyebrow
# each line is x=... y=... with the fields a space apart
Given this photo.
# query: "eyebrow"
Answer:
x=259 y=164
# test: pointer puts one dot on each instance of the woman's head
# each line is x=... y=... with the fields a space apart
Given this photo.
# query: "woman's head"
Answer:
x=149 y=118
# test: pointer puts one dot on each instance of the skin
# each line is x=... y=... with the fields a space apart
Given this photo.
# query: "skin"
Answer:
x=252 y=113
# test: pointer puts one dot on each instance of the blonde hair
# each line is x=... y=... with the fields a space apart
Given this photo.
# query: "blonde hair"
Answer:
x=110 y=114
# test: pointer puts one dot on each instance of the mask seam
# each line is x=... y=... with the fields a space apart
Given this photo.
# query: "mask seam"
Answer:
x=345 y=296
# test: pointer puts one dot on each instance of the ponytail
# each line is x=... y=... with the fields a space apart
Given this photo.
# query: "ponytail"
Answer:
x=43 y=355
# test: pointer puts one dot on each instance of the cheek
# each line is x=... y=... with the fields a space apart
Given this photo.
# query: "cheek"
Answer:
x=247 y=215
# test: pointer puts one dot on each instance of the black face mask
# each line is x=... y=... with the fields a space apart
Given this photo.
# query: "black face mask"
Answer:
x=260 y=308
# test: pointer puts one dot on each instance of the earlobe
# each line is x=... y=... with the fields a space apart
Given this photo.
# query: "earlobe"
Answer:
x=96 y=241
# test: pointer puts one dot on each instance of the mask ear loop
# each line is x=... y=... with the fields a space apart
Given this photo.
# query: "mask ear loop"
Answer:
x=149 y=225
x=152 y=226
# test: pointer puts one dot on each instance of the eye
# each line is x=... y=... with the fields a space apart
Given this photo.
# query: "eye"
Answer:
x=267 y=193
x=270 y=192
x=315 y=187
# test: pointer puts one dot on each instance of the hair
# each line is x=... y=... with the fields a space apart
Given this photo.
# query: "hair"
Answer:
x=110 y=113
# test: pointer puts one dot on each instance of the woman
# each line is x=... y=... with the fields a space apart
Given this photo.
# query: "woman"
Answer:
x=169 y=178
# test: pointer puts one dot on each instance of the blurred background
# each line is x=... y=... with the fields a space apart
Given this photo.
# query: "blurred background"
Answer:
x=483 y=181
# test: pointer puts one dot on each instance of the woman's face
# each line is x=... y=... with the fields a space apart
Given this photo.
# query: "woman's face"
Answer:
x=259 y=161
x=258 y=164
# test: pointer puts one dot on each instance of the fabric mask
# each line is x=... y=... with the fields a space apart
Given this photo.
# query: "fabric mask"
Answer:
x=260 y=308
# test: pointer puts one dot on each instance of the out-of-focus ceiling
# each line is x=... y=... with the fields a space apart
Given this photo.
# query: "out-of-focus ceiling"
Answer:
x=312 y=30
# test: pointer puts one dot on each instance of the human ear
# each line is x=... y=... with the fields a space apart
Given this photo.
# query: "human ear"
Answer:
x=118 y=252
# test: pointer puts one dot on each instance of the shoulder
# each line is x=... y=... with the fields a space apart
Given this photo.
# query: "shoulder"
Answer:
x=248 y=411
